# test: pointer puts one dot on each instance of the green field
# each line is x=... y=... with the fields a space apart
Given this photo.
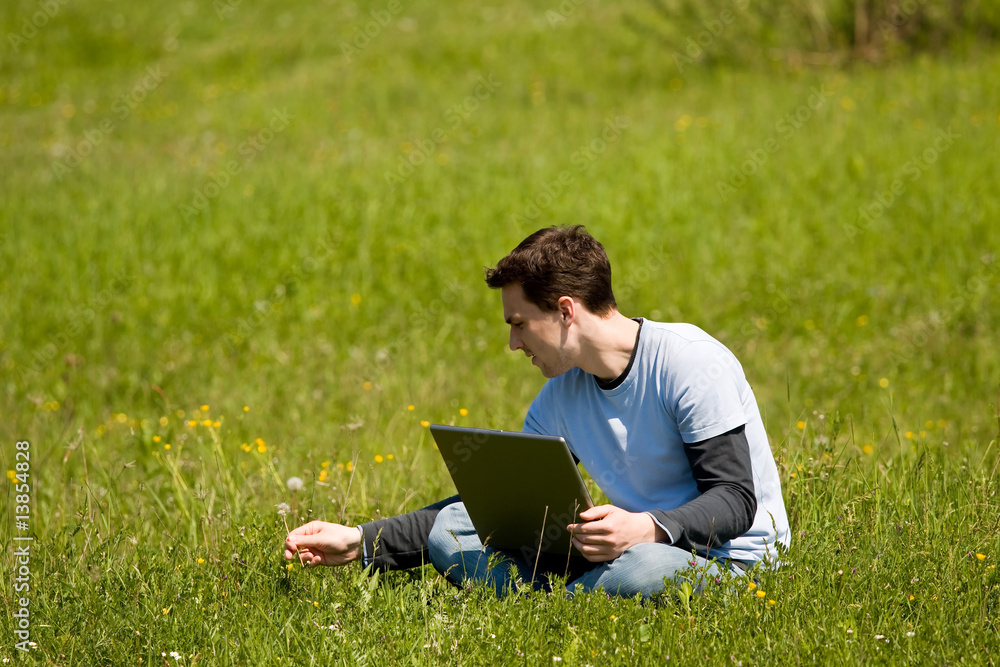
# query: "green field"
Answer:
x=243 y=242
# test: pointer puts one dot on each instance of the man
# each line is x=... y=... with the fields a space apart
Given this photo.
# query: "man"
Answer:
x=661 y=416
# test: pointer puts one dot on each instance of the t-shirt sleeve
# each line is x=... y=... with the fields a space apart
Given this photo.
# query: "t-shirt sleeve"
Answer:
x=539 y=418
x=705 y=387
x=726 y=508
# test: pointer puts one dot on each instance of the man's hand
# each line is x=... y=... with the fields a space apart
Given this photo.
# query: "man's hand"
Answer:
x=322 y=543
x=610 y=530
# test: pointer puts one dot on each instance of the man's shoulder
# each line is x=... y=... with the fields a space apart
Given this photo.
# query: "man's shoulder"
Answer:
x=676 y=332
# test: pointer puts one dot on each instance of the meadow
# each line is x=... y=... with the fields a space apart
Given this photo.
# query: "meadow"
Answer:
x=244 y=242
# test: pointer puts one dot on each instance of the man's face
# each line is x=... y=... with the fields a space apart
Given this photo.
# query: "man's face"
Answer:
x=541 y=335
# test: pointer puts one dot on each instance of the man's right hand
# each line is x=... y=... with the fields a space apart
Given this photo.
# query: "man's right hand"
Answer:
x=322 y=543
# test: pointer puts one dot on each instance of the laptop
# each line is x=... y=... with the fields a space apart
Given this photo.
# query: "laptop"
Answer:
x=520 y=489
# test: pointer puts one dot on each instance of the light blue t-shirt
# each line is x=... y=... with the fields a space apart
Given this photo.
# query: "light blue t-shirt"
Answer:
x=683 y=386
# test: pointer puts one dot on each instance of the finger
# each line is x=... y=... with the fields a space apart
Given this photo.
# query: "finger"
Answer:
x=591 y=528
x=310 y=528
x=596 y=512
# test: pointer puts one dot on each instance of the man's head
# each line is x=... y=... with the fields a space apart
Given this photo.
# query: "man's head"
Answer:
x=554 y=284
x=556 y=262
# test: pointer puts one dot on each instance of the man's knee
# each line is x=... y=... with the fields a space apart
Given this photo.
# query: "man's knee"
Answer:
x=442 y=542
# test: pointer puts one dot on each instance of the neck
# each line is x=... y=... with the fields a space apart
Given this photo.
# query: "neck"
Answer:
x=609 y=345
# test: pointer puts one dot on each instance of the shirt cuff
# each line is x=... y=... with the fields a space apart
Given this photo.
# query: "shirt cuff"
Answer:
x=364 y=548
x=670 y=538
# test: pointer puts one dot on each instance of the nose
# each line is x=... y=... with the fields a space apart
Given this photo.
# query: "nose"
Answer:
x=515 y=340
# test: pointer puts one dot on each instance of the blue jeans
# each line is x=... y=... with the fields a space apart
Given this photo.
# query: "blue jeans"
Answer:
x=644 y=569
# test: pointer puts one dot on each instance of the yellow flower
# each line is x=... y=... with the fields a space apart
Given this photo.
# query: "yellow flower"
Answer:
x=378 y=458
x=751 y=586
x=164 y=421
x=261 y=447
x=246 y=408
x=411 y=408
x=355 y=299
x=367 y=386
x=156 y=438
x=192 y=423
x=884 y=382
x=288 y=567
x=350 y=466
x=322 y=475
x=216 y=423
x=166 y=446
x=800 y=424
x=771 y=602
x=11 y=475
x=166 y=610
x=909 y=435
x=862 y=320
x=316 y=603
x=867 y=449
x=424 y=423
x=200 y=561
x=324 y=464
x=204 y=408
x=340 y=466
x=390 y=457
x=206 y=422
x=761 y=594
x=981 y=556
x=463 y=412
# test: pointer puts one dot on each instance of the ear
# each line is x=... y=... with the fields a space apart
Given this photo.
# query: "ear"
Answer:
x=567 y=309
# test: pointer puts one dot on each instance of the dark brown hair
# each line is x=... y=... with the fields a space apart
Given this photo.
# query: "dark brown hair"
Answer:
x=556 y=262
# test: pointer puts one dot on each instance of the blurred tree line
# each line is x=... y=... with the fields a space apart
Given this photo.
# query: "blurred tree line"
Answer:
x=814 y=31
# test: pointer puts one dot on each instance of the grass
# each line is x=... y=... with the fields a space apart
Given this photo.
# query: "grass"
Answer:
x=327 y=298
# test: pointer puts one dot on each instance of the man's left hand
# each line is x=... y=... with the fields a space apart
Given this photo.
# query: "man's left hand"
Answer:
x=610 y=530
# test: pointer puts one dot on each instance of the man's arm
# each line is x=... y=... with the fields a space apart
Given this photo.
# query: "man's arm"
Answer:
x=727 y=505
x=395 y=543
x=725 y=509
x=400 y=542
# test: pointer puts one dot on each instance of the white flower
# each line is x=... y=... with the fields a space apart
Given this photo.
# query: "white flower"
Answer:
x=294 y=484
x=283 y=509
x=910 y=634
